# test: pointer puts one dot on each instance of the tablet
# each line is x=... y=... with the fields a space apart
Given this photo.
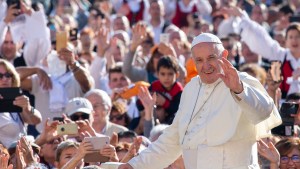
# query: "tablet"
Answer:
x=8 y=97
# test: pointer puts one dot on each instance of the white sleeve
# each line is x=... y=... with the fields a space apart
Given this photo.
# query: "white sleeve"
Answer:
x=98 y=70
x=165 y=150
x=204 y=7
x=254 y=100
x=162 y=152
x=37 y=39
x=259 y=41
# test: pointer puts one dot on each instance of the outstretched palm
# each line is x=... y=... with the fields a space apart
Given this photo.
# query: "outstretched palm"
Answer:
x=230 y=76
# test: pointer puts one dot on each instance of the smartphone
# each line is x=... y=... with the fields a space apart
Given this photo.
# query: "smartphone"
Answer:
x=8 y=96
x=294 y=18
x=61 y=40
x=13 y=2
x=73 y=34
x=288 y=108
x=276 y=71
x=164 y=38
x=67 y=129
x=98 y=143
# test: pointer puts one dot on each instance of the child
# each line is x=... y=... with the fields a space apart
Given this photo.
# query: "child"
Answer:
x=167 y=89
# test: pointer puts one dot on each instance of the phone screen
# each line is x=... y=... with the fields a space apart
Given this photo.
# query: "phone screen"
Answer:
x=276 y=71
x=164 y=38
x=8 y=96
x=61 y=40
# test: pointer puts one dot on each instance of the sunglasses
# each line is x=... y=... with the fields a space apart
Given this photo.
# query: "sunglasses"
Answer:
x=82 y=116
x=117 y=117
x=7 y=75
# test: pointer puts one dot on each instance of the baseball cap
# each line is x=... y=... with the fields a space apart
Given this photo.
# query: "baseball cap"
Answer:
x=78 y=104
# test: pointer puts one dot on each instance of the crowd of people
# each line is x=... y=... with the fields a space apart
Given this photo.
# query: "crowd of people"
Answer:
x=128 y=67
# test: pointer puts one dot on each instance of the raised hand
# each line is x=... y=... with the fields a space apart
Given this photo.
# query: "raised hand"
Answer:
x=45 y=80
x=232 y=11
x=49 y=132
x=133 y=149
x=67 y=55
x=110 y=151
x=102 y=41
x=23 y=102
x=269 y=151
x=139 y=34
x=85 y=126
x=114 y=139
x=4 y=162
x=27 y=151
x=148 y=101
x=167 y=49
x=230 y=76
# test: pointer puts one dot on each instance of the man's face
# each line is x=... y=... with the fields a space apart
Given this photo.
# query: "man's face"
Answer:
x=156 y=10
x=100 y=112
x=119 y=24
x=206 y=58
x=8 y=48
x=117 y=80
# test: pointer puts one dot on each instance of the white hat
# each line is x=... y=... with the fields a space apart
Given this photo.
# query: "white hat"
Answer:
x=78 y=104
x=205 y=37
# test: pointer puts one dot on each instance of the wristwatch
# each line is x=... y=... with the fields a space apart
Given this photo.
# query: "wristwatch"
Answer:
x=75 y=66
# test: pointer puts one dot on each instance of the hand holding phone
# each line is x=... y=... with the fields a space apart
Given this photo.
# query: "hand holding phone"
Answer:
x=98 y=143
x=67 y=129
x=8 y=96
x=276 y=71
x=61 y=40
x=164 y=38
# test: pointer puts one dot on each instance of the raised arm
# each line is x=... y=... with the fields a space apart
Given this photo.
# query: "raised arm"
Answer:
x=256 y=37
x=82 y=75
x=134 y=73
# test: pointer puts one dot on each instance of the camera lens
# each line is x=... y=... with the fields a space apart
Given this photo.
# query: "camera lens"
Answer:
x=62 y=129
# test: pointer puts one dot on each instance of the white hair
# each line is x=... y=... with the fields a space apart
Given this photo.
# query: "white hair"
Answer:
x=106 y=100
x=219 y=48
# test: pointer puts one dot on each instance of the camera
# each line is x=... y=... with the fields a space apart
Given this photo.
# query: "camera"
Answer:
x=288 y=108
x=67 y=129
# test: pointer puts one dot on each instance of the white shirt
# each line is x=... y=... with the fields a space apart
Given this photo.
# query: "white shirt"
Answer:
x=72 y=89
x=34 y=33
x=259 y=41
x=11 y=128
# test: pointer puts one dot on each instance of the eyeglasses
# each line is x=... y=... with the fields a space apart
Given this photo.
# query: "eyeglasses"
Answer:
x=117 y=117
x=286 y=159
x=7 y=75
x=76 y=117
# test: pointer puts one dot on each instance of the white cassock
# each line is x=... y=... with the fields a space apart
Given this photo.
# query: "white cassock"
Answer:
x=214 y=128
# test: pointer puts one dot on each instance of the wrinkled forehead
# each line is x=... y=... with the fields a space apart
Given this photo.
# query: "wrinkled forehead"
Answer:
x=206 y=49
